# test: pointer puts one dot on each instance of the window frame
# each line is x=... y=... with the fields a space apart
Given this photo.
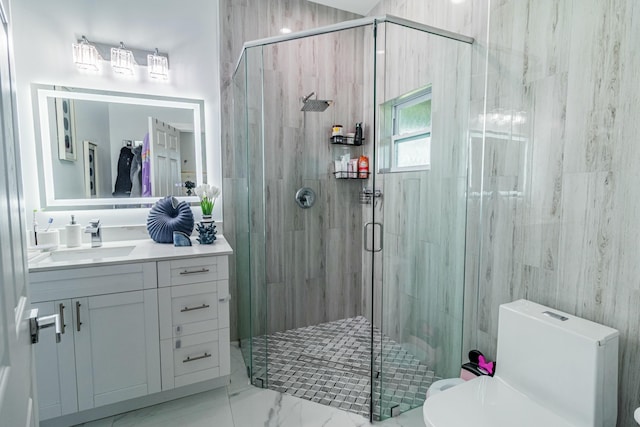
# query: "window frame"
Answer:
x=397 y=106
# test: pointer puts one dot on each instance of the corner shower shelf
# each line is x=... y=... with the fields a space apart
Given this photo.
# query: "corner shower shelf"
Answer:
x=350 y=175
x=343 y=140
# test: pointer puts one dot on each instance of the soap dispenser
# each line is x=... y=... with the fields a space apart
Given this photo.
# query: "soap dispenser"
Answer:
x=74 y=233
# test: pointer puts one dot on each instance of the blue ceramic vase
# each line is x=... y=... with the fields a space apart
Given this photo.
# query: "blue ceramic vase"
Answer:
x=207 y=231
x=169 y=215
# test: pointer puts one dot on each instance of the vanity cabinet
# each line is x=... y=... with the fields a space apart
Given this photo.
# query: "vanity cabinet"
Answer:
x=109 y=349
x=116 y=347
x=193 y=296
x=131 y=331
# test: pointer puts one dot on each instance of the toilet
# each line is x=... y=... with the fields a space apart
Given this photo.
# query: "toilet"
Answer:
x=553 y=369
x=442 y=385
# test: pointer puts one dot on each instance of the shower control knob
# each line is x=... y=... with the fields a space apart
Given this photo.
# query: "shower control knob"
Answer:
x=305 y=197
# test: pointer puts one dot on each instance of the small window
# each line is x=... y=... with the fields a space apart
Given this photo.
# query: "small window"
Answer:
x=411 y=136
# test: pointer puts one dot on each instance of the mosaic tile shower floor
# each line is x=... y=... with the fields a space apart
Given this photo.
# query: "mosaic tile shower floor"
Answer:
x=329 y=364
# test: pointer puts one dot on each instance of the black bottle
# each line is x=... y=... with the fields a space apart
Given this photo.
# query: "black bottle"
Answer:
x=357 y=139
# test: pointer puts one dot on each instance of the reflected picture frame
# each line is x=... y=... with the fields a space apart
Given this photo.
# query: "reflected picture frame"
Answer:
x=66 y=124
x=90 y=169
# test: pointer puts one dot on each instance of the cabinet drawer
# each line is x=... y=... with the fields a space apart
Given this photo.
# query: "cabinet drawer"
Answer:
x=190 y=309
x=193 y=328
x=195 y=353
x=88 y=281
x=177 y=373
x=192 y=270
x=194 y=308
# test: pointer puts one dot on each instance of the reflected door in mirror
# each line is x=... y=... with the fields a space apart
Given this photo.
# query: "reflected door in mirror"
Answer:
x=165 y=159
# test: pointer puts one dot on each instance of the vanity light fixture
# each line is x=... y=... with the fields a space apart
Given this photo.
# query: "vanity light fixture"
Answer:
x=88 y=55
x=158 y=66
x=122 y=60
x=85 y=55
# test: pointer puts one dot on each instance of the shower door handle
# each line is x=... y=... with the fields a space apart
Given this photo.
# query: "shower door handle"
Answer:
x=366 y=237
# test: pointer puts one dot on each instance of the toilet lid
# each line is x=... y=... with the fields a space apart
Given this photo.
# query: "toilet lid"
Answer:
x=487 y=402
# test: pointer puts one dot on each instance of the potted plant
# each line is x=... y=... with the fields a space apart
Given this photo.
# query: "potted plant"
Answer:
x=206 y=228
x=208 y=195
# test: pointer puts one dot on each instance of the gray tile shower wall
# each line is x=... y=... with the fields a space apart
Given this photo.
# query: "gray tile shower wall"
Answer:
x=419 y=276
x=313 y=255
x=241 y=21
x=561 y=219
x=553 y=196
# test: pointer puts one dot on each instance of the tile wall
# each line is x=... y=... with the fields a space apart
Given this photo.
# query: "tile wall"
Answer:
x=553 y=194
x=313 y=256
x=241 y=21
x=468 y=18
x=561 y=228
x=420 y=272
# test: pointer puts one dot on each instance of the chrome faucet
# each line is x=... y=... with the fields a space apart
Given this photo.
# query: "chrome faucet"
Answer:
x=96 y=235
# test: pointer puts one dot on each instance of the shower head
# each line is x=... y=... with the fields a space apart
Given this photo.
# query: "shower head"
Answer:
x=317 y=105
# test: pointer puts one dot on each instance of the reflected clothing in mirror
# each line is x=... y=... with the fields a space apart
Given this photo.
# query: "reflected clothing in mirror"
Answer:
x=133 y=171
x=136 y=172
x=123 y=181
x=146 y=167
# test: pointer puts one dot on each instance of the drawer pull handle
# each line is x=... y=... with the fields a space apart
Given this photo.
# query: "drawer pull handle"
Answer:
x=200 y=307
x=78 y=322
x=203 y=270
x=62 y=325
x=193 y=359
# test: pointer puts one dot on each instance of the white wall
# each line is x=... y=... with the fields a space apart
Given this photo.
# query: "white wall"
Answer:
x=43 y=32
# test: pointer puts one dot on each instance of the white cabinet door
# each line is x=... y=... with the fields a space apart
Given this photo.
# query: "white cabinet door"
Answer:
x=117 y=347
x=56 y=364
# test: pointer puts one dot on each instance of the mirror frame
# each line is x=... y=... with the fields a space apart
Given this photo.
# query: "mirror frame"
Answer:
x=41 y=94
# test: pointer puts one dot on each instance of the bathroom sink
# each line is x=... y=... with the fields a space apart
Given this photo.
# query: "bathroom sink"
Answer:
x=88 y=254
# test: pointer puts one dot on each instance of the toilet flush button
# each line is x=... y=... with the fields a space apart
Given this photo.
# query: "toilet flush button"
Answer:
x=555 y=315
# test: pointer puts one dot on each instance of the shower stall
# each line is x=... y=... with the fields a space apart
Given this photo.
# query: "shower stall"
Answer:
x=350 y=280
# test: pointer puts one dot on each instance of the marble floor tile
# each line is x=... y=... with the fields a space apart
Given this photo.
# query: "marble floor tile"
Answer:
x=273 y=409
x=194 y=411
x=242 y=405
x=238 y=379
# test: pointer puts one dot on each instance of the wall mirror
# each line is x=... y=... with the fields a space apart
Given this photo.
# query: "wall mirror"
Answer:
x=112 y=149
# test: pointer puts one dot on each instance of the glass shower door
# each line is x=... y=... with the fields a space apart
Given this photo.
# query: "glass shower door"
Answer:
x=247 y=185
x=421 y=112
x=236 y=182
x=364 y=285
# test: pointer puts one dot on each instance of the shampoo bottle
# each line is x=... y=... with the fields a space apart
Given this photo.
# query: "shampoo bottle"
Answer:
x=74 y=233
x=357 y=139
x=363 y=167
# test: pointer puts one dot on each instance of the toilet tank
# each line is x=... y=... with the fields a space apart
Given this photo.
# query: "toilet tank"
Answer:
x=563 y=362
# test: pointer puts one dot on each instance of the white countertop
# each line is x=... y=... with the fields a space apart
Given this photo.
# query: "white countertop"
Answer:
x=143 y=250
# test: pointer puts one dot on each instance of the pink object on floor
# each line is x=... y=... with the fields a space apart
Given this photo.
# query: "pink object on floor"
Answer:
x=487 y=366
x=466 y=375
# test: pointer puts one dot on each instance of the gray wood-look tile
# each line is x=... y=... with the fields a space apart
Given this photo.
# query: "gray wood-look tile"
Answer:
x=559 y=192
x=246 y=20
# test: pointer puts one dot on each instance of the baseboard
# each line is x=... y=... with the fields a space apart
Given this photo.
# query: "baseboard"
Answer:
x=133 y=404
